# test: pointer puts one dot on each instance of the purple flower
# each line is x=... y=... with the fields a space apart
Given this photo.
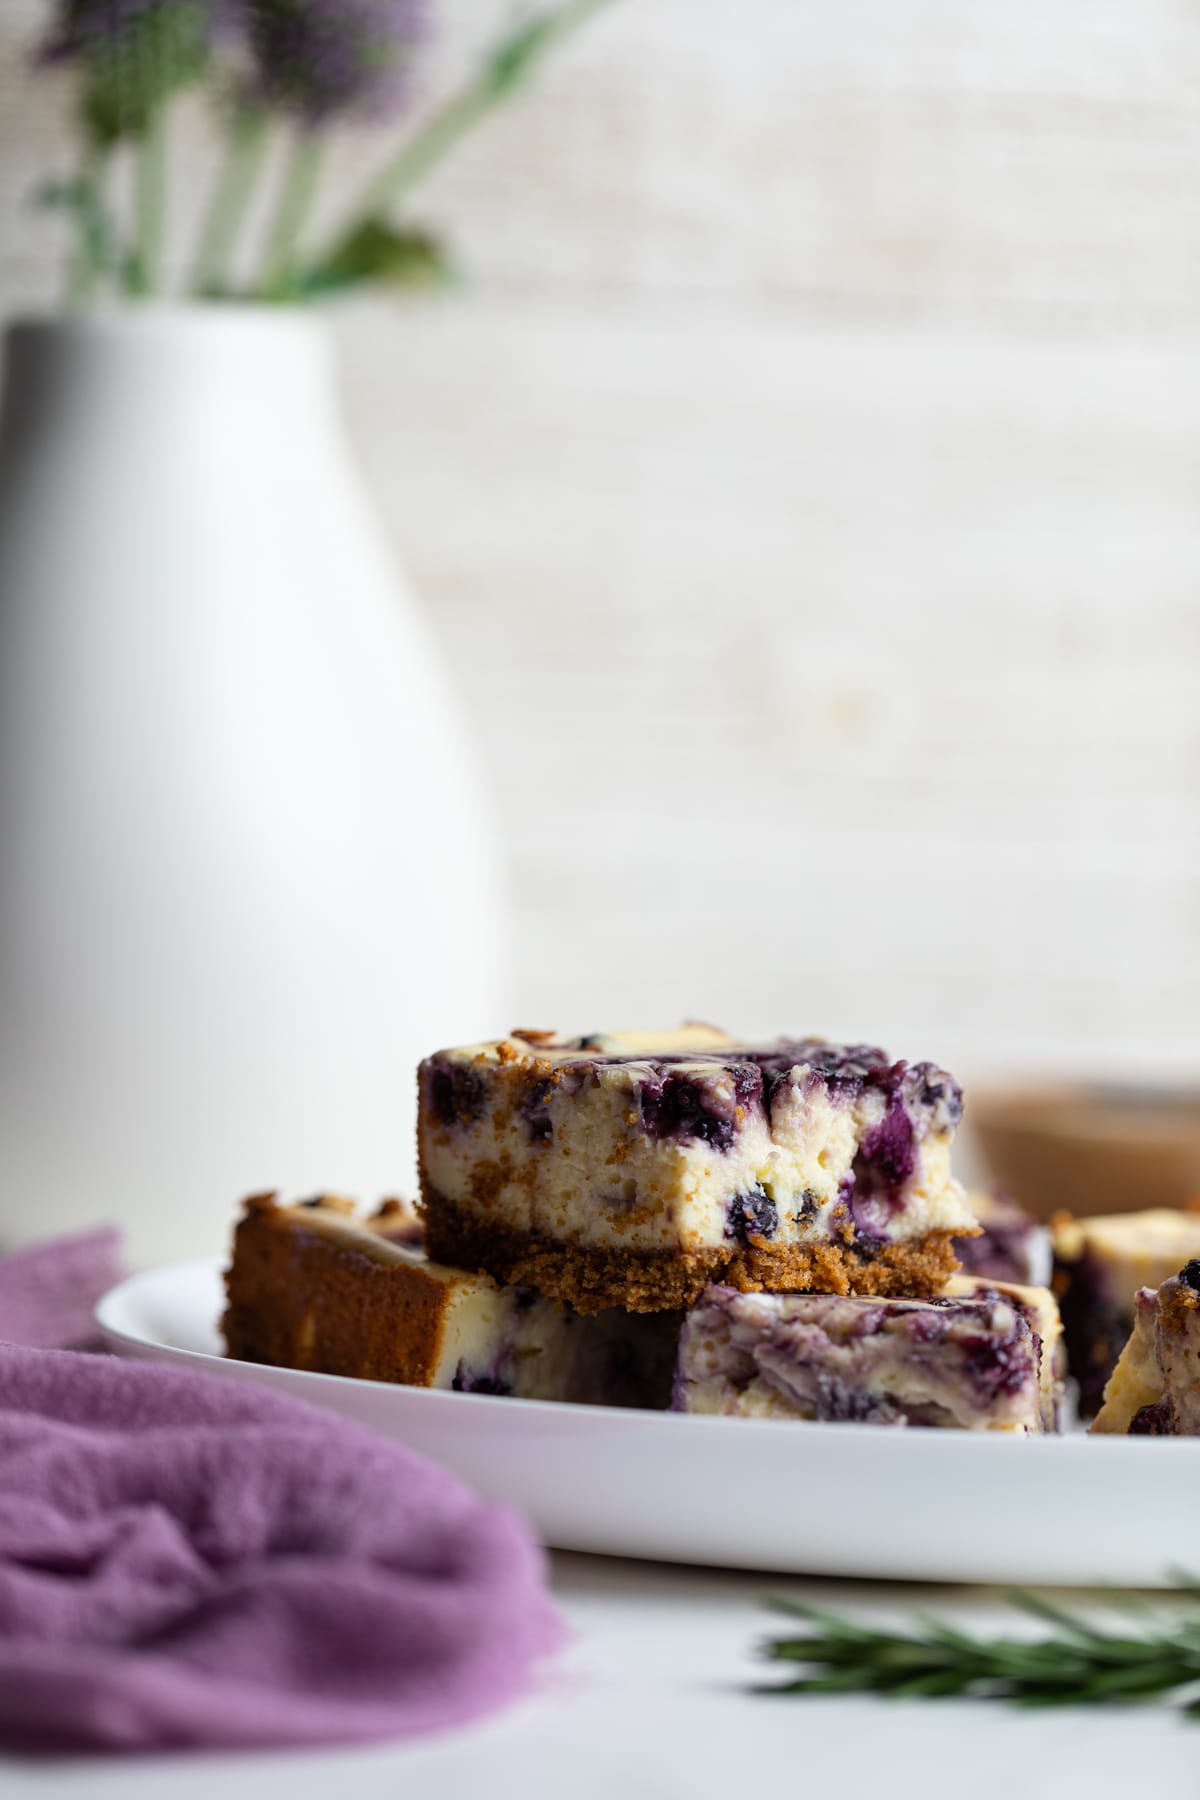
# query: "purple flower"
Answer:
x=135 y=54
x=323 y=59
x=89 y=29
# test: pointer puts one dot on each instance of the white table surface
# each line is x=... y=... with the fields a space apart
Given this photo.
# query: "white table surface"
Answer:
x=651 y=1699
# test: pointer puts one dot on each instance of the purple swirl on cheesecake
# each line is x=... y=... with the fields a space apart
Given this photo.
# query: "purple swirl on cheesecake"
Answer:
x=694 y=1094
x=981 y=1358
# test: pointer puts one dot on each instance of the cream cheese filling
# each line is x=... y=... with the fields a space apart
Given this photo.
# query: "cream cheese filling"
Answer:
x=598 y=1178
x=782 y=1357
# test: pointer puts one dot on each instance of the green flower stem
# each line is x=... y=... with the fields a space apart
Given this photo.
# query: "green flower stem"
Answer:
x=296 y=195
x=501 y=72
x=91 y=255
x=150 y=206
x=247 y=140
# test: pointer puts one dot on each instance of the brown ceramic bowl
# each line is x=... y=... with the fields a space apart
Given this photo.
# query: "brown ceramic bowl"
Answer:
x=1090 y=1147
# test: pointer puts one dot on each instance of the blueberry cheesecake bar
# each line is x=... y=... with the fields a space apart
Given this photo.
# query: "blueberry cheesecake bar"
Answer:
x=309 y=1287
x=1154 y=1391
x=1009 y=1246
x=1099 y=1265
x=634 y=1169
x=980 y=1357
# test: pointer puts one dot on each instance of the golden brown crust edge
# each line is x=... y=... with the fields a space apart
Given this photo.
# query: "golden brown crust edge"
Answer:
x=296 y=1300
x=593 y=1277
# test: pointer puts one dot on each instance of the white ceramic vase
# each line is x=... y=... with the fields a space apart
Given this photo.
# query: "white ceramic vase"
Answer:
x=246 y=880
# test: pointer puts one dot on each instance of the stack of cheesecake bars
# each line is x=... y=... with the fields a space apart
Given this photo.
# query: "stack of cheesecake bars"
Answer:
x=677 y=1220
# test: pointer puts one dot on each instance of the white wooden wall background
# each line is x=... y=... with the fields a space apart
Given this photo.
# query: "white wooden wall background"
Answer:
x=806 y=493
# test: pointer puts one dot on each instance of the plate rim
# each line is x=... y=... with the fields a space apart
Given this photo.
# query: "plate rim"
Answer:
x=632 y=1418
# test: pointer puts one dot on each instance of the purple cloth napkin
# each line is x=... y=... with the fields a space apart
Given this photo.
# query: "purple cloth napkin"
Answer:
x=48 y=1293
x=188 y=1560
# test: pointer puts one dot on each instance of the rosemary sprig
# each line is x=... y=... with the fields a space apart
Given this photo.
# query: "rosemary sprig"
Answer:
x=1080 y=1664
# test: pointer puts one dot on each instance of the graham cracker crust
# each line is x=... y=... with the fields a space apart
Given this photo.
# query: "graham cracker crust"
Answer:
x=298 y=1300
x=593 y=1277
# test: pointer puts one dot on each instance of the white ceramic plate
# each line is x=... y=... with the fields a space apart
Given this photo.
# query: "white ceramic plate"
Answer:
x=748 y=1493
